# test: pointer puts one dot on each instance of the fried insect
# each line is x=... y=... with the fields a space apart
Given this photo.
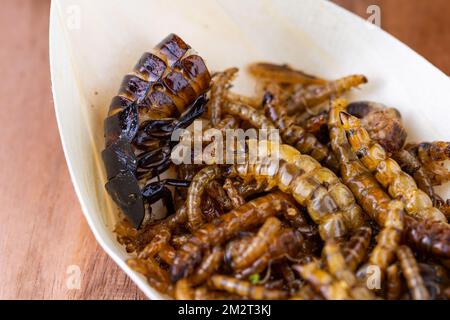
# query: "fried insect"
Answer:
x=329 y=203
x=394 y=282
x=387 y=172
x=156 y=276
x=383 y=124
x=221 y=82
x=323 y=282
x=259 y=243
x=159 y=241
x=250 y=187
x=411 y=273
x=338 y=268
x=314 y=95
x=215 y=191
x=245 y=289
x=355 y=250
x=412 y=166
x=235 y=247
x=150 y=230
x=245 y=112
x=184 y=287
x=282 y=74
x=209 y=265
x=195 y=192
x=233 y=194
x=430 y=154
x=225 y=227
x=429 y=236
x=293 y=134
x=149 y=106
x=289 y=243
x=376 y=203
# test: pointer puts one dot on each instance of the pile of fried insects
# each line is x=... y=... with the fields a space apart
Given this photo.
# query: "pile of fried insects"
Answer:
x=348 y=211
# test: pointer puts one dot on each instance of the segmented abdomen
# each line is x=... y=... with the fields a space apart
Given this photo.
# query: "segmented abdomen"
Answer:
x=330 y=203
x=161 y=85
x=386 y=212
x=387 y=172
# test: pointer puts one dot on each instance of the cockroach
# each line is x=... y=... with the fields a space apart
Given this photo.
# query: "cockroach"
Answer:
x=411 y=273
x=149 y=106
x=387 y=172
x=245 y=289
x=376 y=203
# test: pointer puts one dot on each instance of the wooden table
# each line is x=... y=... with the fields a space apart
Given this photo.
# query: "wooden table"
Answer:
x=42 y=231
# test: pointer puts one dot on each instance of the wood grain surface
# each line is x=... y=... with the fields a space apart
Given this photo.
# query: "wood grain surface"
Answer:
x=43 y=235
